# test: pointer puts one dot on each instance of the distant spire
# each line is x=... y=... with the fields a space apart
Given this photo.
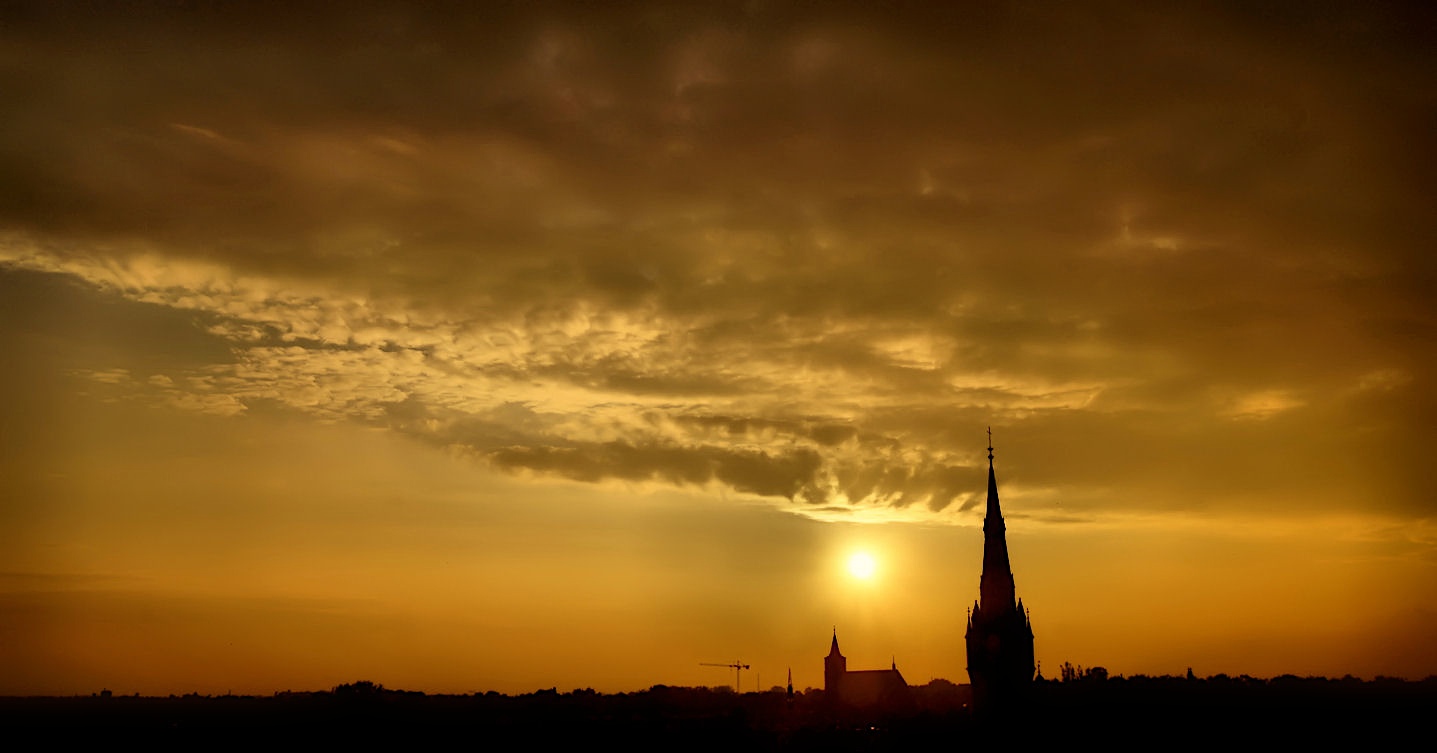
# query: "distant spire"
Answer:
x=833 y=648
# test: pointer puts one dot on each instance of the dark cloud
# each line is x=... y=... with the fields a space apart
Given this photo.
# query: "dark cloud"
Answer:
x=800 y=252
x=779 y=475
x=740 y=427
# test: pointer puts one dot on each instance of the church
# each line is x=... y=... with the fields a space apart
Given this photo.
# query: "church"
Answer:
x=872 y=689
x=1000 y=635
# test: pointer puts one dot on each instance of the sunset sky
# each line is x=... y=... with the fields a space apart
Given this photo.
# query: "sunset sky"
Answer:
x=495 y=346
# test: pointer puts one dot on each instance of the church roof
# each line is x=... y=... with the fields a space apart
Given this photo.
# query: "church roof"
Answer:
x=873 y=687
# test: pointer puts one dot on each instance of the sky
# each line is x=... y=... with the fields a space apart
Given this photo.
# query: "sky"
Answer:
x=515 y=346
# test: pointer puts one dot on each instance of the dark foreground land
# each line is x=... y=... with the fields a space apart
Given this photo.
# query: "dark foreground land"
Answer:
x=1124 y=713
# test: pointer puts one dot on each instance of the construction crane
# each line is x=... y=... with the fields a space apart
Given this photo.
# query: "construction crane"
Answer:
x=737 y=666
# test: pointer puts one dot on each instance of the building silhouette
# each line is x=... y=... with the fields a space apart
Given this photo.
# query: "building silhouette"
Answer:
x=1000 y=636
x=867 y=689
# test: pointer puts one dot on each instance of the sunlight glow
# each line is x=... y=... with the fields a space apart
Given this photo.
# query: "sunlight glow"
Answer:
x=862 y=566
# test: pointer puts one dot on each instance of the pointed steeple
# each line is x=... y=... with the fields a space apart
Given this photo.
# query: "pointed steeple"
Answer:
x=994 y=510
x=835 y=666
x=995 y=588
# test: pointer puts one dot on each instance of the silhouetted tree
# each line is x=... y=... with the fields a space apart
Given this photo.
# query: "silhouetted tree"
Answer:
x=363 y=688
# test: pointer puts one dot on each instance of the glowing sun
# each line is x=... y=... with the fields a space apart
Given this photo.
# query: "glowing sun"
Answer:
x=862 y=566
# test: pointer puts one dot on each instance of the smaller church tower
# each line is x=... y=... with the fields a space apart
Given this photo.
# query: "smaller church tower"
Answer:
x=835 y=666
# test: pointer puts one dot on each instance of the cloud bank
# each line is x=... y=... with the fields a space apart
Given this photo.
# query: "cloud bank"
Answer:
x=1178 y=256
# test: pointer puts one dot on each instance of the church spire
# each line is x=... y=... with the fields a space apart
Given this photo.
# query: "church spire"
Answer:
x=993 y=509
x=995 y=588
x=999 y=635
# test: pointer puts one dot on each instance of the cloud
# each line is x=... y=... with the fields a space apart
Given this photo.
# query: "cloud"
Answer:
x=750 y=472
x=1261 y=405
x=799 y=255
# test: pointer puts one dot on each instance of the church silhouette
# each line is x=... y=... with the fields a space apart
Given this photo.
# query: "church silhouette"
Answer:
x=863 y=688
x=999 y=636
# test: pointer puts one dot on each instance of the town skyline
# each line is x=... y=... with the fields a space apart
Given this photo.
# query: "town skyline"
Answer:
x=542 y=345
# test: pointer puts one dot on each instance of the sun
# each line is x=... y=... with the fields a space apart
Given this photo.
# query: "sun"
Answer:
x=862 y=566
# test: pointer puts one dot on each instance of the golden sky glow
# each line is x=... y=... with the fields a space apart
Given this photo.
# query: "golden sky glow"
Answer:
x=861 y=565
x=543 y=345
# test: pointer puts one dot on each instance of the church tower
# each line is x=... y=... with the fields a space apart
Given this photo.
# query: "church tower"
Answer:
x=1000 y=637
x=835 y=666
